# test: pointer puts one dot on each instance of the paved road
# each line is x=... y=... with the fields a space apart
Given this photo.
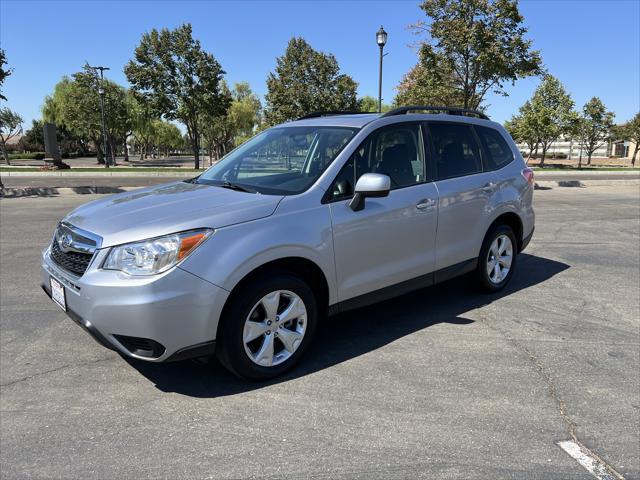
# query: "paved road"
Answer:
x=442 y=383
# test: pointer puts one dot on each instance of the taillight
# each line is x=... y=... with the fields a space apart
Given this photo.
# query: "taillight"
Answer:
x=527 y=173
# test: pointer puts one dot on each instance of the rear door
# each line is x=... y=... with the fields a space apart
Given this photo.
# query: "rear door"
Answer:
x=464 y=191
x=392 y=239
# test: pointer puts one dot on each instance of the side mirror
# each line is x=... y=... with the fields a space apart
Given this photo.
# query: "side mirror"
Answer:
x=370 y=185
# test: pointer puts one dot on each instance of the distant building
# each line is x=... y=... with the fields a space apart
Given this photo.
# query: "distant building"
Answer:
x=569 y=148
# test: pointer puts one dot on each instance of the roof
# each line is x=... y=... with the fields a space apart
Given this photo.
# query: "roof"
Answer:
x=360 y=120
x=349 y=120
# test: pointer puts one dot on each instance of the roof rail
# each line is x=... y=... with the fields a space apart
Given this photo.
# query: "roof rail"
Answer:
x=438 y=109
x=332 y=112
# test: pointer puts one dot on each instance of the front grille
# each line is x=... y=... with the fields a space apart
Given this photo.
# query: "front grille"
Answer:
x=143 y=347
x=74 y=262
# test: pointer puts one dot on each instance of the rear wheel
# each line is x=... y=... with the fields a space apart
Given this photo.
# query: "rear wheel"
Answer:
x=267 y=326
x=497 y=260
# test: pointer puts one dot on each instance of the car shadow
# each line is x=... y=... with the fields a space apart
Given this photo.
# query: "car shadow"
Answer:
x=361 y=331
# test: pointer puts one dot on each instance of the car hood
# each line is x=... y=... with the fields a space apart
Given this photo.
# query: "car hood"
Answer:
x=169 y=208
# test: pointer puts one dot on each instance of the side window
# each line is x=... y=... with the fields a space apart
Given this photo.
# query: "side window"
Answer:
x=456 y=150
x=395 y=151
x=497 y=151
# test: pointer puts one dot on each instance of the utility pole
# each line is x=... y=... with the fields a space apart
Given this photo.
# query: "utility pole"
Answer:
x=104 y=129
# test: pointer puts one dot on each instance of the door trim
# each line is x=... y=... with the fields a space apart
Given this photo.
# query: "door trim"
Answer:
x=402 y=288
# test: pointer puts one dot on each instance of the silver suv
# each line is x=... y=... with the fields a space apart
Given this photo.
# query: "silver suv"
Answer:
x=316 y=216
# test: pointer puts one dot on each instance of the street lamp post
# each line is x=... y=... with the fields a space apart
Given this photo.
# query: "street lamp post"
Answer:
x=104 y=129
x=381 y=40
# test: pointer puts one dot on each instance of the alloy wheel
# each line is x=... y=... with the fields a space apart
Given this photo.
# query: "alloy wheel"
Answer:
x=274 y=328
x=499 y=259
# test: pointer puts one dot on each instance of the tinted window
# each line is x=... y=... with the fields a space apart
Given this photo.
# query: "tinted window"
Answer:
x=395 y=151
x=456 y=150
x=498 y=153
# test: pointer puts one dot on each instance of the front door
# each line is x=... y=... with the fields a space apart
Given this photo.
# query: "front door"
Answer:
x=392 y=239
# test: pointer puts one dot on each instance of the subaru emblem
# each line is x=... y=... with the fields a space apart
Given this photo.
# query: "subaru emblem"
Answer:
x=64 y=242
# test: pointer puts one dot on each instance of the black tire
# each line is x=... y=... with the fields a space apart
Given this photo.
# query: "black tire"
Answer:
x=230 y=348
x=482 y=277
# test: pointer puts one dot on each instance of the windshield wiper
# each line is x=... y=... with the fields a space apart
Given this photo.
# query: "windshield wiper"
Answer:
x=235 y=186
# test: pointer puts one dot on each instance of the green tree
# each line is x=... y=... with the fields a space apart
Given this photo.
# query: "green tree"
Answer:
x=75 y=106
x=631 y=131
x=10 y=126
x=472 y=47
x=33 y=139
x=370 y=104
x=522 y=129
x=222 y=134
x=4 y=72
x=594 y=127
x=180 y=79
x=428 y=84
x=142 y=117
x=306 y=81
x=166 y=137
x=549 y=114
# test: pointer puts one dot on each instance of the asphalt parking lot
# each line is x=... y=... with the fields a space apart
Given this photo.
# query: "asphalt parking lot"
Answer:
x=441 y=383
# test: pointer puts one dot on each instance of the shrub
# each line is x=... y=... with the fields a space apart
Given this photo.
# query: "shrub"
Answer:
x=27 y=156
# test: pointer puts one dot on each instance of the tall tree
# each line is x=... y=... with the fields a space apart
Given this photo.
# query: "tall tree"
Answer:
x=594 y=127
x=550 y=114
x=166 y=137
x=33 y=138
x=75 y=106
x=181 y=80
x=631 y=131
x=472 y=47
x=428 y=84
x=10 y=126
x=4 y=72
x=306 y=81
x=522 y=129
x=222 y=134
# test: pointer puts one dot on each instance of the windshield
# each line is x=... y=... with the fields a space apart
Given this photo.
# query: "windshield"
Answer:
x=282 y=161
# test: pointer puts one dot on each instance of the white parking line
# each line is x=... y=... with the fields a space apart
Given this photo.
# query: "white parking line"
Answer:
x=588 y=460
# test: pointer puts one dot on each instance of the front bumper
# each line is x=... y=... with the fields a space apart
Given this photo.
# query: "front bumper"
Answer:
x=176 y=312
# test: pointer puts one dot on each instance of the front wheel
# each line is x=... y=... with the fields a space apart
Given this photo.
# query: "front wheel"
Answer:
x=497 y=260
x=267 y=326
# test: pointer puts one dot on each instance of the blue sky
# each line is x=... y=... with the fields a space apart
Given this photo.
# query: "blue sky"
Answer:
x=592 y=46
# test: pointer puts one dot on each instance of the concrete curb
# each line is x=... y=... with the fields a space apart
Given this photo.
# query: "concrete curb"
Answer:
x=55 y=192
x=544 y=184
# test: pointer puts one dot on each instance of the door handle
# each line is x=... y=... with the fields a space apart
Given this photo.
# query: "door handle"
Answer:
x=426 y=204
x=489 y=187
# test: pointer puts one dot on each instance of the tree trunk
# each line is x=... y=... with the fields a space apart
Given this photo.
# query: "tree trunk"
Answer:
x=580 y=160
x=112 y=151
x=196 y=150
x=99 y=153
x=635 y=153
x=589 y=158
x=6 y=155
x=126 y=150
x=544 y=154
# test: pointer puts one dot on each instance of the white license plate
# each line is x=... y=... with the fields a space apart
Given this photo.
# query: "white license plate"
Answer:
x=57 y=293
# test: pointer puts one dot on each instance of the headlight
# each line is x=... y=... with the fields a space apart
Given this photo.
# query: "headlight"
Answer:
x=155 y=255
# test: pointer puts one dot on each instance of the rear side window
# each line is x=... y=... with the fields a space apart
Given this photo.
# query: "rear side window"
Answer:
x=456 y=150
x=498 y=153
